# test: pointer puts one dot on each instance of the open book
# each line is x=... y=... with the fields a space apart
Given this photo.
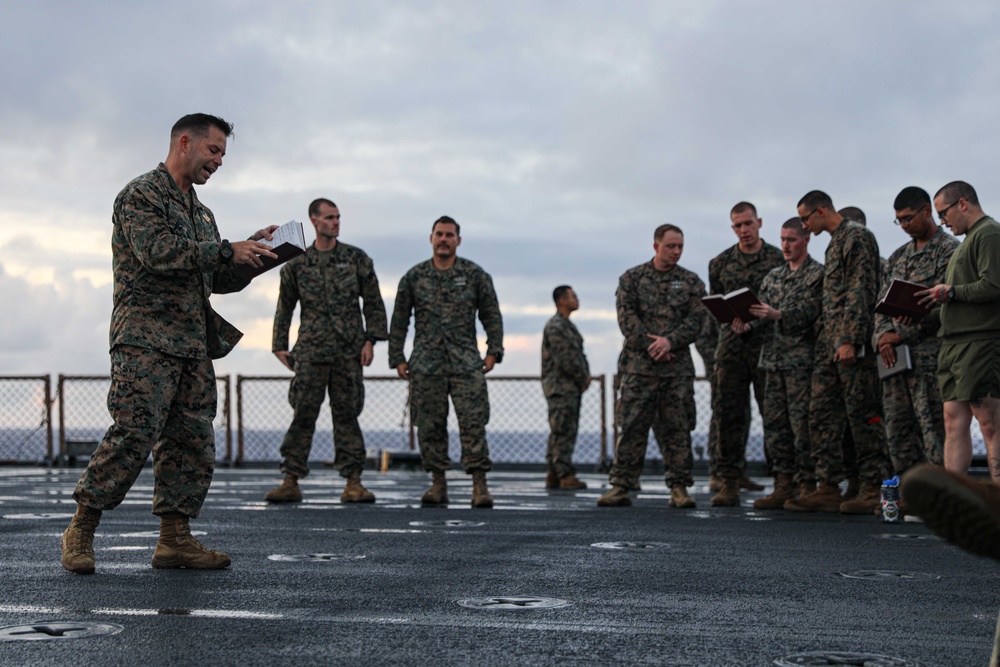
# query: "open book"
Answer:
x=288 y=241
x=900 y=302
x=727 y=307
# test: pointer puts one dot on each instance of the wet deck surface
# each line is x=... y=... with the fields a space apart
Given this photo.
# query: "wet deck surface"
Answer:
x=543 y=578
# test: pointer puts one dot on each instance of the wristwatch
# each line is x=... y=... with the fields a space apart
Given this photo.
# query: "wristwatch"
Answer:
x=226 y=252
x=951 y=293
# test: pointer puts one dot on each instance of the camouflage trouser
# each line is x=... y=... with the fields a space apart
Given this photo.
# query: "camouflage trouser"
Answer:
x=163 y=405
x=343 y=380
x=786 y=422
x=667 y=406
x=847 y=397
x=564 y=422
x=914 y=419
x=429 y=411
x=731 y=412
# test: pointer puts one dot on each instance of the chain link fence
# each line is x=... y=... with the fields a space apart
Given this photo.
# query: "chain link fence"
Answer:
x=517 y=433
x=26 y=418
x=84 y=417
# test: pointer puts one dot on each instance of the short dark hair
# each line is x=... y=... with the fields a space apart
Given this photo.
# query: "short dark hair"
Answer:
x=663 y=229
x=816 y=198
x=911 y=197
x=316 y=203
x=796 y=224
x=560 y=292
x=854 y=213
x=198 y=125
x=447 y=220
x=742 y=207
x=959 y=190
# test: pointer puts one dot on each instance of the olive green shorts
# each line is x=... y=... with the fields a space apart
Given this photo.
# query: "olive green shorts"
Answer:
x=969 y=370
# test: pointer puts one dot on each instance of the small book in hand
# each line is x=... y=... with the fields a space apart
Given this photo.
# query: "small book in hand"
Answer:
x=727 y=307
x=899 y=300
x=287 y=241
x=903 y=363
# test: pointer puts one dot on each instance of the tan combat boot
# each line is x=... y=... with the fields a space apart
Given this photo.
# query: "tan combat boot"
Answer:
x=616 y=496
x=78 y=541
x=438 y=493
x=287 y=492
x=729 y=495
x=748 y=484
x=714 y=483
x=783 y=490
x=571 y=483
x=869 y=497
x=807 y=487
x=551 y=480
x=680 y=498
x=826 y=498
x=178 y=548
x=480 y=493
x=355 y=493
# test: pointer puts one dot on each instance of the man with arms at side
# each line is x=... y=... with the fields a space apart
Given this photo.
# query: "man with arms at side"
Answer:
x=168 y=259
x=444 y=296
x=969 y=361
x=334 y=343
x=737 y=357
x=791 y=301
x=844 y=382
x=914 y=419
x=565 y=376
x=660 y=313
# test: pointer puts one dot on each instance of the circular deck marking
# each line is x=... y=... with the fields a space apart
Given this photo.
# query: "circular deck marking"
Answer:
x=884 y=575
x=631 y=546
x=312 y=558
x=36 y=517
x=819 y=658
x=906 y=537
x=513 y=602
x=448 y=523
x=54 y=631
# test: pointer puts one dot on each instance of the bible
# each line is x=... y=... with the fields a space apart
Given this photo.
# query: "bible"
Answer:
x=727 y=307
x=903 y=363
x=899 y=300
x=287 y=241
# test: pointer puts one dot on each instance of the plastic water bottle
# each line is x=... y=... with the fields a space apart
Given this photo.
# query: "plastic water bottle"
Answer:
x=890 y=500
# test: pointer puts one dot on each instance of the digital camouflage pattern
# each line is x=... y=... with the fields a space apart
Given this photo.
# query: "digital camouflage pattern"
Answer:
x=165 y=256
x=848 y=394
x=787 y=359
x=327 y=352
x=445 y=359
x=914 y=414
x=657 y=395
x=736 y=359
x=565 y=375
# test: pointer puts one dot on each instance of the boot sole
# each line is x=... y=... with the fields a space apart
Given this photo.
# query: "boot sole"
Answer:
x=357 y=501
x=953 y=511
x=279 y=501
x=183 y=563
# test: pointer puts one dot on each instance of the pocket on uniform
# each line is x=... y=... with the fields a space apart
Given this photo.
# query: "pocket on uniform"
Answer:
x=122 y=392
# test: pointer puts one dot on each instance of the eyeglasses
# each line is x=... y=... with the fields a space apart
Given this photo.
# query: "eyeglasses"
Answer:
x=907 y=219
x=944 y=212
x=805 y=218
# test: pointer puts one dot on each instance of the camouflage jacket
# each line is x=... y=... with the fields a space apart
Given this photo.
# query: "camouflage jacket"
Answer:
x=564 y=365
x=329 y=285
x=791 y=341
x=850 y=286
x=926 y=266
x=444 y=304
x=732 y=270
x=662 y=303
x=165 y=255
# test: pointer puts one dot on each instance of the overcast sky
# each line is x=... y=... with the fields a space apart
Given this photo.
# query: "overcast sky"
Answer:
x=559 y=134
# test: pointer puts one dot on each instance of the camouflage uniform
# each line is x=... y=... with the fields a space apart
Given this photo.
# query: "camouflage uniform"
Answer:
x=787 y=359
x=445 y=359
x=565 y=375
x=736 y=359
x=327 y=353
x=657 y=395
x=847 y=395
x=164 y=333
x=914 y=415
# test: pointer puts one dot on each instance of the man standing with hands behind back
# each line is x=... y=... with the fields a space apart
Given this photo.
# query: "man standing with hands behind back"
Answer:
x=333 y=346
